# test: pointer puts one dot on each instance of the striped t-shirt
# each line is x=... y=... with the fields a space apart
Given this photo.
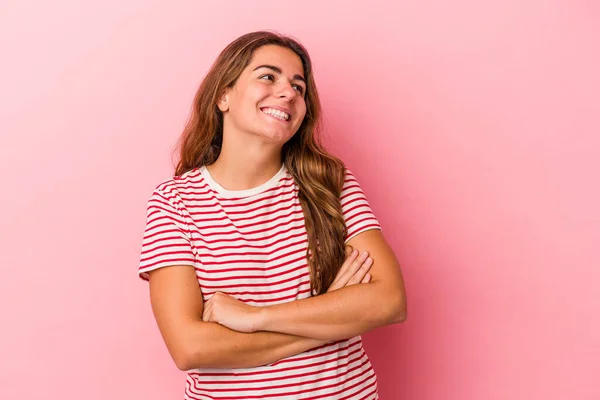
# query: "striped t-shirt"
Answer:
x=251 y=244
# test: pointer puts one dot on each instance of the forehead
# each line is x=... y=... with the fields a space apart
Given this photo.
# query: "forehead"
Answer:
x=277 y=56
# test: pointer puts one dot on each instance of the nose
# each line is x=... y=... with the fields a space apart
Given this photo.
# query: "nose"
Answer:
x=286 y=90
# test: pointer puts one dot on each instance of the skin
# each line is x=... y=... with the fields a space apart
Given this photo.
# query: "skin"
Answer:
x=343 y=313
x=252 y=140
x=368 y=291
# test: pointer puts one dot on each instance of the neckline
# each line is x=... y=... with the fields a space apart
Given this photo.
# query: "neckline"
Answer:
x=214 y=185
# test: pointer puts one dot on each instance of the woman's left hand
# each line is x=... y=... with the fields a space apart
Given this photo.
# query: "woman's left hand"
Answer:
x=231 y=313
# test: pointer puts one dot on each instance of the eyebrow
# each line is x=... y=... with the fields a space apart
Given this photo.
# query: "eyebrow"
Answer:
x=278 y=70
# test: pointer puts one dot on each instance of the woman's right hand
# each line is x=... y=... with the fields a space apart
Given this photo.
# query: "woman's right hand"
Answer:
x=354 y=270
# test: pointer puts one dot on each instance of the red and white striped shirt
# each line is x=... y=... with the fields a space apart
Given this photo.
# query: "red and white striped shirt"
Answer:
x=251 y=244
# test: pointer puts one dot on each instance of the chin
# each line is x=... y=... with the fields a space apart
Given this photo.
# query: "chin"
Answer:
x=277 y=135
x=277 y=138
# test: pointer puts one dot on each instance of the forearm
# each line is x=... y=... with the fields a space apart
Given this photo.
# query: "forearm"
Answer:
x=210 y=345
x=344 y=313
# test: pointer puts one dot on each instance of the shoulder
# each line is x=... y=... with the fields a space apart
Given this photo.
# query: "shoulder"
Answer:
x=174 y=188
x=180 y=183
x=349 y=177
x=351 y=183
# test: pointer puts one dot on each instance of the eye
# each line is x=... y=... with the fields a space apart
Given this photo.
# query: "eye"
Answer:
x=299 y=88
x=270 y=76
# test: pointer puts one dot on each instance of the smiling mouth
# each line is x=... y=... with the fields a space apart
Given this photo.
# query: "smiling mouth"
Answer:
x=280 y=115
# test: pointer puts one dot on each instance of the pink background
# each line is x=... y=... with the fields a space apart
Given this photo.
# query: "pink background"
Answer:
x=473 y=127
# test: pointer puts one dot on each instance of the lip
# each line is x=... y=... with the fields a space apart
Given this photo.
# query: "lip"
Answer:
x=285 y=110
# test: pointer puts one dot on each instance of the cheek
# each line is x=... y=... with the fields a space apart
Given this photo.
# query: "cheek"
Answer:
x=250 y=95
x=301 y=112
x=257 y=92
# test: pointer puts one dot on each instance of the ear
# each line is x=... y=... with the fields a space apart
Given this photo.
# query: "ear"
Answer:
x=223 y=102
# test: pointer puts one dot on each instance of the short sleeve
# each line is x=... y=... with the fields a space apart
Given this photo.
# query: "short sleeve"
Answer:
x=356 y=209
x=166 y=239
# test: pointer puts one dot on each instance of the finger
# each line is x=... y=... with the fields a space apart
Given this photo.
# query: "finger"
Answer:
x=207 y=312
x=348 y=250
x=354 y=266
x=345 y=265
x=342 y=273
x=335 y=284
x=362 y=272
x=366 y=279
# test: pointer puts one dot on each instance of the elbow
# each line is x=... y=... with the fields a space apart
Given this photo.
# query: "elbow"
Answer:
x=192 y=357
x=399 y=316
x=396 y=312
x=187 y=361
x=187 y=358
x=182 y=365
x=188 y=351
x=182 y=359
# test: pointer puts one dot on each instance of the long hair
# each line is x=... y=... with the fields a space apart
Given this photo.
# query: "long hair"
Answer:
x=318 y=174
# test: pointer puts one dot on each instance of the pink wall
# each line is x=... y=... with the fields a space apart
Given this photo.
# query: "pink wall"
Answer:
x=473 y=128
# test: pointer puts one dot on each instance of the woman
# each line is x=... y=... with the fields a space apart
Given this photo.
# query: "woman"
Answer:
x=246 y=249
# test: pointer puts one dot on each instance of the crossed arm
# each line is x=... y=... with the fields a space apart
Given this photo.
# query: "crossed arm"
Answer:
x=226 y=333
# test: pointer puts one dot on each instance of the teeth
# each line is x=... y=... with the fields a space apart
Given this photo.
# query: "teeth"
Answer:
x=276 y=113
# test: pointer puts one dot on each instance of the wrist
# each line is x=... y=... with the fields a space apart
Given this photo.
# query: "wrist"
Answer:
x=262 y=318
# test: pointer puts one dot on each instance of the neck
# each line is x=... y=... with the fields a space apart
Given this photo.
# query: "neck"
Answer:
x=245 y=162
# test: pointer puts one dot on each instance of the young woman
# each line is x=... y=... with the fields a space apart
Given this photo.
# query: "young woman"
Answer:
x=247 y=248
